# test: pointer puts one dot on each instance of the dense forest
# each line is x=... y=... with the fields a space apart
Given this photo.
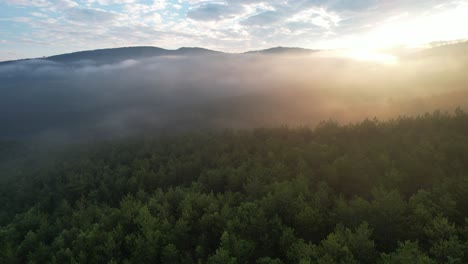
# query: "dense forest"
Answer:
x=391 y=191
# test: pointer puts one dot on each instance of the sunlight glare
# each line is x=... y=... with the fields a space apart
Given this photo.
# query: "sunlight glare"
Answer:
x=371 y=56
x=442 y=23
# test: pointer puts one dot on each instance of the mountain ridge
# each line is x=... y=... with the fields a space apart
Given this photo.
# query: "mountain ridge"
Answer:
x=113 y=55
x=282 y=50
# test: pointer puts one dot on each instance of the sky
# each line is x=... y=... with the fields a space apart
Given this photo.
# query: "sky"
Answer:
x=36 y=28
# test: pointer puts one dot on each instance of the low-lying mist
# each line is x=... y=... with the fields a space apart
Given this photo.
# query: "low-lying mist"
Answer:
x=86 y=99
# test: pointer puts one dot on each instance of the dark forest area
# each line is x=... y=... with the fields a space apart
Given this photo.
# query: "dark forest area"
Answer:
x=375 y=191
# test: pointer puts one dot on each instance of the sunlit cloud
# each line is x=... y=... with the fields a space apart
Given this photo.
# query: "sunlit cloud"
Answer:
x=319 y=17
x=440 y=23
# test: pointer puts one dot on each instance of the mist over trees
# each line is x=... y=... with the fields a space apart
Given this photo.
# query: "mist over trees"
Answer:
x=128 y=91
x=371 y=192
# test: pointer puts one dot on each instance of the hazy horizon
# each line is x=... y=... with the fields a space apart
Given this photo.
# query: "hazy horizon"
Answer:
x=344 y=51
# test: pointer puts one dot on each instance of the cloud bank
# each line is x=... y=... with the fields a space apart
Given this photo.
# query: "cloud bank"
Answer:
x=85 y=99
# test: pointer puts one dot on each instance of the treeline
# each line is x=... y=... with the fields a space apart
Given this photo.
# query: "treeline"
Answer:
x=372 y=192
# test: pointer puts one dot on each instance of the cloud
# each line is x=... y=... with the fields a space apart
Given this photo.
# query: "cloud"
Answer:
x=108 y=2
x=411 y=29
x=61 y=4
x=265 y=18
x=17 y=19
x=41 y=15
x=33 y=3
x=317 y=16
x=152 y=18
x=7 y=54
x=214 y=11
x=91 y=16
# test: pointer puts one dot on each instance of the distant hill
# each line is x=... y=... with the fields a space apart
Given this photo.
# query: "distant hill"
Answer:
x=114 y=55
x=282 y=50
x=108 y=56
x=127 y=53
x=456 y=50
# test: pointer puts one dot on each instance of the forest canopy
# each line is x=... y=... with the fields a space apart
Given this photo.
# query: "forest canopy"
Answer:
x=391 y=191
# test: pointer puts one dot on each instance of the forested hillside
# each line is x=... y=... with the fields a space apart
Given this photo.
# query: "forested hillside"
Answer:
x=372 y=192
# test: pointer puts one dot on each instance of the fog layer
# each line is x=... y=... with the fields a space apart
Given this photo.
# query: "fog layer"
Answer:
x=83 y=98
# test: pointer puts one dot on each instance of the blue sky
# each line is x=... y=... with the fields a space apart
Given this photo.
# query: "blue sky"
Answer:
x=35 y=28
